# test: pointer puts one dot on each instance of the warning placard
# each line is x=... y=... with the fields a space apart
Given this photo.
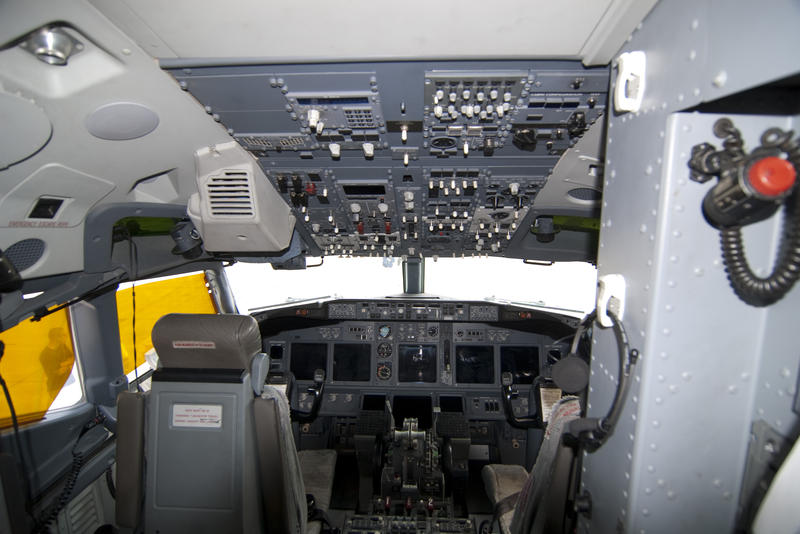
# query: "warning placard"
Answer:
x=197 y=415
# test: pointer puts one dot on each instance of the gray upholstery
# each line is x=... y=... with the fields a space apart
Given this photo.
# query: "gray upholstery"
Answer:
x=318 y=467
x=500 y=481
x=204 y=341
x=201 y=475
x=552 y=465
x=278 y=451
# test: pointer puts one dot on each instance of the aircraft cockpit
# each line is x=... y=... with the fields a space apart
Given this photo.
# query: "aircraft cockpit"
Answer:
x=399 y=268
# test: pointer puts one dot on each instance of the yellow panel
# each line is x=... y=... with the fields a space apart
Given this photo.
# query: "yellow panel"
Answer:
x=38 y=360
x=186 y=294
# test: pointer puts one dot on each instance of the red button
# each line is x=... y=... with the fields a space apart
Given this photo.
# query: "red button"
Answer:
x=772 y=176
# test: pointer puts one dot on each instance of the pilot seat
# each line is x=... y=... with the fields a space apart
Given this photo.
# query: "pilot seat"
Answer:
x=535 y=502
x=210 y=447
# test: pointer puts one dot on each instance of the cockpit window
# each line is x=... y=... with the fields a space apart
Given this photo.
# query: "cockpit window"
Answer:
x=569 y=287
x=154 y=299
x=39 y=368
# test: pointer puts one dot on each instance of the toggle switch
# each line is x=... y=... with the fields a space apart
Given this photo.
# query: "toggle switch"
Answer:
x=335 y=149
x=313 y=118
x=369 y=150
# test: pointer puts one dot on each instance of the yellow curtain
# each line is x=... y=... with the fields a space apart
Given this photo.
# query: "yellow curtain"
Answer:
x=37 y=361
x=186 y=294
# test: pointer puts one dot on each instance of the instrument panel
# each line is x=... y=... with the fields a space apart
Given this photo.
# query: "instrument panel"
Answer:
x=396 y=353
x=447 y=357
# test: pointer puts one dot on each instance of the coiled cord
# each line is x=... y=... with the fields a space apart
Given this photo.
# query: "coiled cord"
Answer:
x=749 y=287
x=64 y=497
x=78 y=457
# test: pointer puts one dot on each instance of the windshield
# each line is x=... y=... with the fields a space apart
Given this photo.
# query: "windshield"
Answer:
x=567 y=286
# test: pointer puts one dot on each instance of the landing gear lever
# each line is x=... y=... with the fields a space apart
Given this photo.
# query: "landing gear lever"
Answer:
x=316 y=390
x=510 y=392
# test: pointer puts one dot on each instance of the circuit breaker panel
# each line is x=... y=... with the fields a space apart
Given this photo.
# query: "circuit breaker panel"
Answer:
x=419 y=158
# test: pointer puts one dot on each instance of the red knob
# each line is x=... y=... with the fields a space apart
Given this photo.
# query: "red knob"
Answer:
x=772 y=176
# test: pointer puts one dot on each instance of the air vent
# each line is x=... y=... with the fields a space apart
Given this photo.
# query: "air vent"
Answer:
x=82 y=514
x=230 y=195
x=23 y=254
x=292 y=141
x=585 y=193
x=253 y=141
x=359 y=118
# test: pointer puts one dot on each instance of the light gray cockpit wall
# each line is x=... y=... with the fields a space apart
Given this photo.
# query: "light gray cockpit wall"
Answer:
x=121 y=131
x=712 y=368
x=108 y=134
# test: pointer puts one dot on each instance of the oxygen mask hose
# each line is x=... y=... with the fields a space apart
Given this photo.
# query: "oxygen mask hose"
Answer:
x=751 y=188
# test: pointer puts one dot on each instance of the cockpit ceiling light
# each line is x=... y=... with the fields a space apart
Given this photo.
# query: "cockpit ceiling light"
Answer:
x=52 y=45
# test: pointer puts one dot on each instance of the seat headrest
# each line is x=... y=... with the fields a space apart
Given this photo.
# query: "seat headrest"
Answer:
x=205 y=341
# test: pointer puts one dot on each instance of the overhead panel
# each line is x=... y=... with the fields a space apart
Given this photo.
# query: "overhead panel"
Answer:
x=417 y=158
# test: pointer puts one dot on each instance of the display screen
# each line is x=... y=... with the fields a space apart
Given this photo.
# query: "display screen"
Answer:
x=351 y=362
x=417 y=363
x=521 y=362
x=474 y=364
x=306 y=357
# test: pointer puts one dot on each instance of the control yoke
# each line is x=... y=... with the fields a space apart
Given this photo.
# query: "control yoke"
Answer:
x=510 y=392
x=315 y=390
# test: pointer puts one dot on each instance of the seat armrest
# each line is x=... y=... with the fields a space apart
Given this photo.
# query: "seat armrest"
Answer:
x=130 y=458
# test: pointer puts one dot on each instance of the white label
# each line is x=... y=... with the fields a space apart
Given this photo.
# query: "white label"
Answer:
x=197 y=415
x=549 y=397
x=194 y=345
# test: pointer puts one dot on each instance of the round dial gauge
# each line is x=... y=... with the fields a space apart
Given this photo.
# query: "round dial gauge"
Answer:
x=384 y=350
x=384 y=372
x=384 y=331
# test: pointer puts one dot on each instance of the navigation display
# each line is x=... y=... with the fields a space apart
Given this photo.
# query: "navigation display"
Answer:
x=307 y=357
x=521 y=362
x=474 y=364
x=351 y=362
x=417 y=363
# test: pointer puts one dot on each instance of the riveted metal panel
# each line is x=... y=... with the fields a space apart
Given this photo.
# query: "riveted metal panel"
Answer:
x=711 y=365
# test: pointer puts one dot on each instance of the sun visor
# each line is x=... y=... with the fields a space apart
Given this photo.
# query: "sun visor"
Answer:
x=236 y=208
